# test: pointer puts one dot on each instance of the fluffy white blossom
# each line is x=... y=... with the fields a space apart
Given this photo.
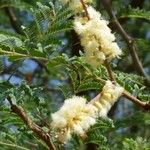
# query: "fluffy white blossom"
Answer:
x=109 y=96
x=75 y=116
x=96 y=38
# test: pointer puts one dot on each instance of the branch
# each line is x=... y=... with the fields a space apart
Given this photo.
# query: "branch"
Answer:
x=130 y=41
x=41 y=64
x=45 y=137
x=144 y=105
x=85 y=9
x=110 y=72
x=13 y=20
x=13 y=53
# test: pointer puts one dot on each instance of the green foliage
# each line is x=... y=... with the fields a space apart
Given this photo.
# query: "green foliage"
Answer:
x=13 y=131
x=40 y=38
x=138 y=144
x=22 y=5
x=46 y=40
x=135 y=13
x=97 y=134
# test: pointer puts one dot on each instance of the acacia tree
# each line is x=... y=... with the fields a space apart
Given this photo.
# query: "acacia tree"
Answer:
x=72 y=80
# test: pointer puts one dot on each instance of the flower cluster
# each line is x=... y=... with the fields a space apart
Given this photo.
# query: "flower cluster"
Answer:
x=108 y=97
x=96 y=38
x=77 y=116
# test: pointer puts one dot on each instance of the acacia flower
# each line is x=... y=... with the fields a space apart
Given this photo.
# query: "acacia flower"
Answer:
x=75 y=116
x=96 y=38
x=109 y=95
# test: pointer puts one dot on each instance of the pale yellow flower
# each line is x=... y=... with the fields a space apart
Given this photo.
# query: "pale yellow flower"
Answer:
x=96 y=38
x=75 y=116
x=109 y=95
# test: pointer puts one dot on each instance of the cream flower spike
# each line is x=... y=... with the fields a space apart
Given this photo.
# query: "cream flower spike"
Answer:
x=109 y=95
x=75 y=116
x=96 y=38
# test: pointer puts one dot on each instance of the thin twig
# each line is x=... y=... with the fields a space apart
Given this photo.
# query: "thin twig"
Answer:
x=85 y=9
x=144 y=105
x=130 y=41
x=21 y=55
x=13 y=20
x=34 y=127
x=96 y=98
x=110 y=72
